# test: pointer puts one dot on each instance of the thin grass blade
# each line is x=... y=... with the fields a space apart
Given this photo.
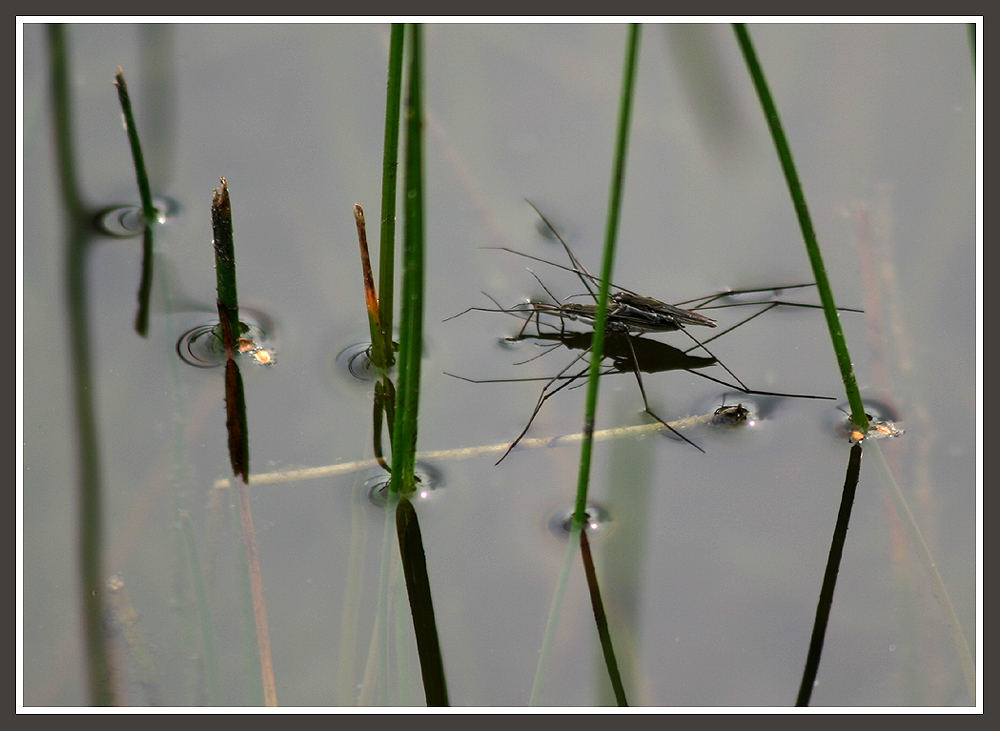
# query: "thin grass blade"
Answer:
x=225 y=265
x=805 y=224
x=607 y=266
x=390 y=163
x=404 y=443
x=148 y=210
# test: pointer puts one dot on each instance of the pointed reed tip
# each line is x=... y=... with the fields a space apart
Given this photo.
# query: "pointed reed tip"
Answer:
x=220 y=195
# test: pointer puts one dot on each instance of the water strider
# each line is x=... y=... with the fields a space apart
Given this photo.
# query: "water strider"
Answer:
x=629 y=314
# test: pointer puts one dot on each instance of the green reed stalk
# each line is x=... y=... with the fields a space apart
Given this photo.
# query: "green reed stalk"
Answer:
x=148 y=211
x=390 y=163
x=607 y=265
x=805 y=224
x=404 y=442
x=225 y=266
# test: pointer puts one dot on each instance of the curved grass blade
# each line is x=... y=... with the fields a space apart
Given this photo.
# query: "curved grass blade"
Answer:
x=375 y=325
x=381 y=351
x=805 y=224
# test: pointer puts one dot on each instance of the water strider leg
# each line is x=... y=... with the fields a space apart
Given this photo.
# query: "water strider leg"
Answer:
x=544 y=396
x=645 y=401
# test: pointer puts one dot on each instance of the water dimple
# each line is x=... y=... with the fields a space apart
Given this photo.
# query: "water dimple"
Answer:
x=597 y=521
x=128 y=220
x=201 y=346
x=428 y=480
x=355 y=360
x=883 y=420
x=510 y=342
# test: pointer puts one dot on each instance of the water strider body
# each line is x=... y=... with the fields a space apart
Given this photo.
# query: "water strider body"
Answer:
x=629 y=312
x=628 y=315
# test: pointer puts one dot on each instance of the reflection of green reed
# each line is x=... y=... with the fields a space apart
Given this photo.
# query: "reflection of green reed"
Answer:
x=89 y=496
x=204 y=611
x=858 y=415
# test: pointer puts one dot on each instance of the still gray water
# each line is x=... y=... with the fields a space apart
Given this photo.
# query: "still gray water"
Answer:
x=710 y=563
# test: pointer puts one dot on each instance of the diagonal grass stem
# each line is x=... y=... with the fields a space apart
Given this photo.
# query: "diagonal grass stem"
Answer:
x=805 y=224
